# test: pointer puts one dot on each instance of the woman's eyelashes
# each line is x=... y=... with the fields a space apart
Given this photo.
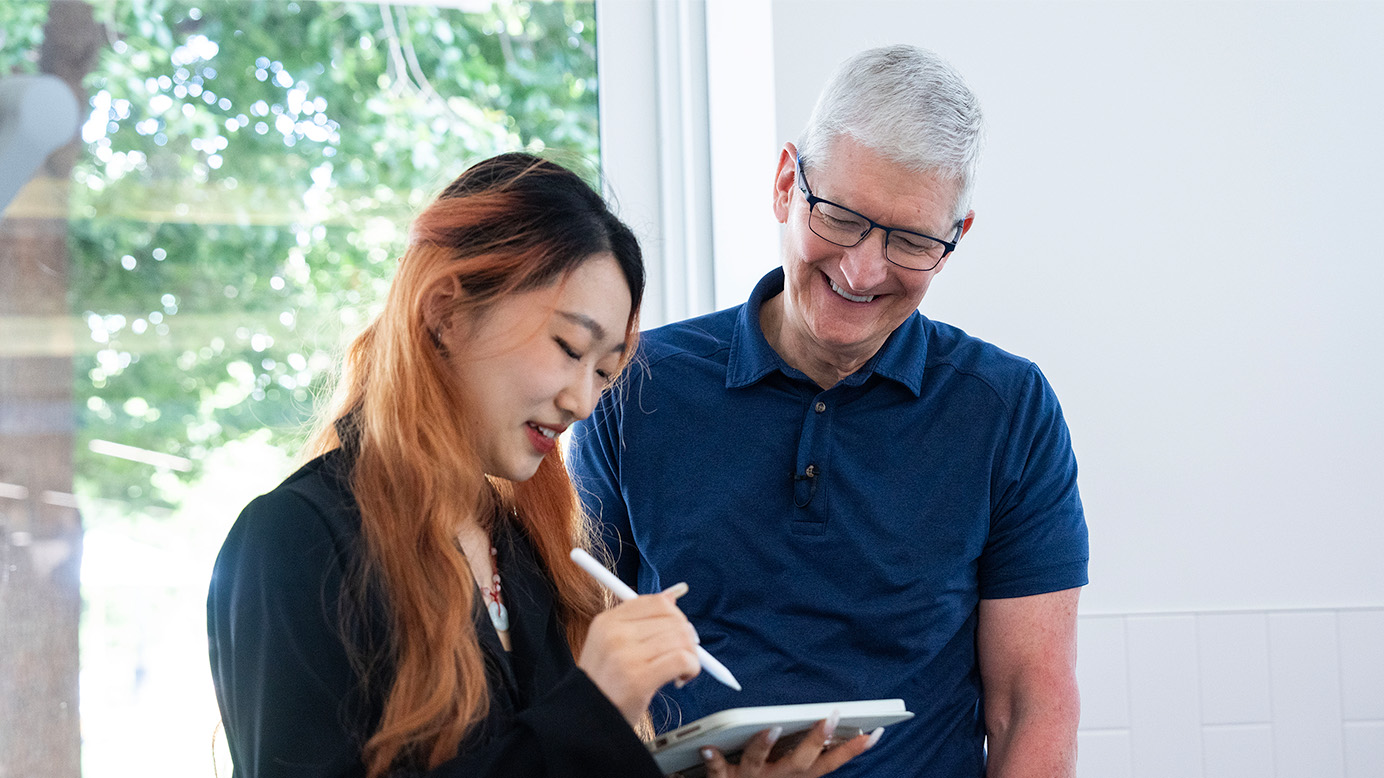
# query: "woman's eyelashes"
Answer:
x=602 y=373
x=567 y=349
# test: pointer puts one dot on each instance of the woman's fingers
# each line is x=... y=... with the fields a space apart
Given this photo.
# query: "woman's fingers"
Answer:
x=806 y=760
x=756 y=752
x=716 y=766
x=674 y=664
x=637 y=647
x=843 y=753
x=804 y=755
x=652 y=618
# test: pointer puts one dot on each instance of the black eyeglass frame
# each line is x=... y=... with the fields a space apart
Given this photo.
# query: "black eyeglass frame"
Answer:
x=813 y=200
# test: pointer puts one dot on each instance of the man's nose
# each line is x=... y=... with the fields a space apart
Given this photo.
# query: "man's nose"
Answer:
x=863 y=265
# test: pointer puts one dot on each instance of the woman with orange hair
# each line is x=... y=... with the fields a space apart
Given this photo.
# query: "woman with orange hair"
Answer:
x=404 y=604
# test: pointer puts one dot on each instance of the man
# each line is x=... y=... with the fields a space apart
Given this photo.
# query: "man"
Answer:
x=866 y=503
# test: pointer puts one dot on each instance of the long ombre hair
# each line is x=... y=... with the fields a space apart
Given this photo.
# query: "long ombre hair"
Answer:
x=510 y=224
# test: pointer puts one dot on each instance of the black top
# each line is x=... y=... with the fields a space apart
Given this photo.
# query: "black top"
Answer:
x=293 y=701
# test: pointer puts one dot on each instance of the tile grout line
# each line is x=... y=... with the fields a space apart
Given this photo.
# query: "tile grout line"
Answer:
x=1340 y=689
x=1201 y=681
x=1273 y=702
x=1129 y=696
x=1273 y=724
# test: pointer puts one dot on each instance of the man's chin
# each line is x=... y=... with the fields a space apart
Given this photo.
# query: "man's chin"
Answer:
x=845 y=337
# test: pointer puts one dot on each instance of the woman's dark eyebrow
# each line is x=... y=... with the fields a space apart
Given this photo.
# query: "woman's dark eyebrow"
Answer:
x=597 y=331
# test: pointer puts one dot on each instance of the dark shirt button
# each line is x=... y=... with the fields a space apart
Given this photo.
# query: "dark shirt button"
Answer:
x=821 y=406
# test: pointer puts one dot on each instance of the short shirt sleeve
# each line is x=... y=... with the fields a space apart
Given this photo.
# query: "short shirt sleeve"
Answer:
x=1038 y=539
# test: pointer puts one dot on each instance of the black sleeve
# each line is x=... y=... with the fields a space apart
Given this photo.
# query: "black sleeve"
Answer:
x=292 y=703
x=573 y=731
x=283 y=677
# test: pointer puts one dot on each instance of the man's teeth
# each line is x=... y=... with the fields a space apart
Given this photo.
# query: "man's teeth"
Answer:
x=547 y=433
x=855 y=298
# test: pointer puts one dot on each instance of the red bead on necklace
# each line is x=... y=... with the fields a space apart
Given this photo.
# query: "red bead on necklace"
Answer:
x=494 y=604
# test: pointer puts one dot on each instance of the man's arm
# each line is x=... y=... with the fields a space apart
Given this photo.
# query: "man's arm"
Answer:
x=1027 y=649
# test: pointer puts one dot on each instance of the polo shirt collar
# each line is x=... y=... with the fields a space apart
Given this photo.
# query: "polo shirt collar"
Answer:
x=901 y=359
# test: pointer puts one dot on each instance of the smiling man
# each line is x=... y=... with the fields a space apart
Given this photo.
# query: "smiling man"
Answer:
x=866 y=503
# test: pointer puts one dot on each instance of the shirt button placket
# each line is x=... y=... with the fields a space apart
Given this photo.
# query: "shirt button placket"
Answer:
x=811 y=461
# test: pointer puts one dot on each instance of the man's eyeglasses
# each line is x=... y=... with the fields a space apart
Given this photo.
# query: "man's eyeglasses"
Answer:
x=844 y=227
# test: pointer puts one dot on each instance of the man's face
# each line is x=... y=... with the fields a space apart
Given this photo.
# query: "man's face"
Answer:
x=840 y=304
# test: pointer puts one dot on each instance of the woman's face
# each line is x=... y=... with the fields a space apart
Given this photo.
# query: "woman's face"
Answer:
x=536 y=362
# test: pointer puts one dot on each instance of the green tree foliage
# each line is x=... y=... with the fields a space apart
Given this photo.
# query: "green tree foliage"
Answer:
x=250 y=170
x=21 y=34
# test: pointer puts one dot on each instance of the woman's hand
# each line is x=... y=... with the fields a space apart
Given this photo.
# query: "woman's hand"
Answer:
x=638 y=646
x=806 y=760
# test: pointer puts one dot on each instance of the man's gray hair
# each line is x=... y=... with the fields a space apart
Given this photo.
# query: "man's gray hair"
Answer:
x=906 y=104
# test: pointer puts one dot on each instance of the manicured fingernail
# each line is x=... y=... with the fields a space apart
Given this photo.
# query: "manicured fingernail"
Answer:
x=706 y=754
x=832 y=721
x=679 y=683
x=774 y=735
x=874 y=738
x=677 y=590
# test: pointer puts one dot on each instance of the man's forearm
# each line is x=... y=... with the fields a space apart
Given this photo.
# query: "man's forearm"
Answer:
x=1027 y=650
x=1035 y=744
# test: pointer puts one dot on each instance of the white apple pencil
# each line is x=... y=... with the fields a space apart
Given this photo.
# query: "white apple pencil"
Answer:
x=617 y=587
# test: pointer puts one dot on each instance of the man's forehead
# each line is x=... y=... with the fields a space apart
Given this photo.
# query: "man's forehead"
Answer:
x=861 y=178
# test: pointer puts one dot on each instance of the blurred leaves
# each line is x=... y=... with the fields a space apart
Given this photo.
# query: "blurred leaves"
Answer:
x=21 y=34
x=249 y=175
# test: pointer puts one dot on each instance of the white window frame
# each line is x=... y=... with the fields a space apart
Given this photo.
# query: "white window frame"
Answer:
x=688 y=144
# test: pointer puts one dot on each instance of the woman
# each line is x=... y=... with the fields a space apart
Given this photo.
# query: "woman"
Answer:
x=404 y=604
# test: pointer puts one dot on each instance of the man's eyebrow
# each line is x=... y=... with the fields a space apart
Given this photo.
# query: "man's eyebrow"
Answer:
x=597 y=331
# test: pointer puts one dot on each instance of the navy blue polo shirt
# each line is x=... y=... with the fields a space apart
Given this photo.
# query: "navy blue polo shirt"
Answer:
x=836 y=541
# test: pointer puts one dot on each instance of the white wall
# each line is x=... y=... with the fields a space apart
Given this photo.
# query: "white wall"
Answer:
x=1280 y=694
x=1178 y=219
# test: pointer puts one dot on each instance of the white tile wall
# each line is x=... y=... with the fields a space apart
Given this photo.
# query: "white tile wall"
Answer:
x=1283 y=694
x=1364 y=749
x=1238 y=750
x=1305 y=666
x=1102 y=663
x=1164 y=707
x=1104 y=754
x=1233 y=650
x=1362 y=665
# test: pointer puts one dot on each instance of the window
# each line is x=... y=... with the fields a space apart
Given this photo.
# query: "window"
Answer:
x=176 y=287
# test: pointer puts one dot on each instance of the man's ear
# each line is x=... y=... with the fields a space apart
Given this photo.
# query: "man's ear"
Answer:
x=966 y=223
x=785 y=181
x=965 y=227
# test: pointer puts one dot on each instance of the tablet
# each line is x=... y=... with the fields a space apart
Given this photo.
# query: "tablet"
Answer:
x=730 y=729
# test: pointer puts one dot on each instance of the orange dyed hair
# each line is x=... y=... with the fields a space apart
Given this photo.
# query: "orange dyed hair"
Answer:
x=509 y=224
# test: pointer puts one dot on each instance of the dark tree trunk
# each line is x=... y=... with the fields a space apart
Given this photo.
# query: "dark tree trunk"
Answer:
x=40 y=529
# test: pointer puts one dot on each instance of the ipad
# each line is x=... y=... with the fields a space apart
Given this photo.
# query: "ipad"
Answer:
x=730 y=729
